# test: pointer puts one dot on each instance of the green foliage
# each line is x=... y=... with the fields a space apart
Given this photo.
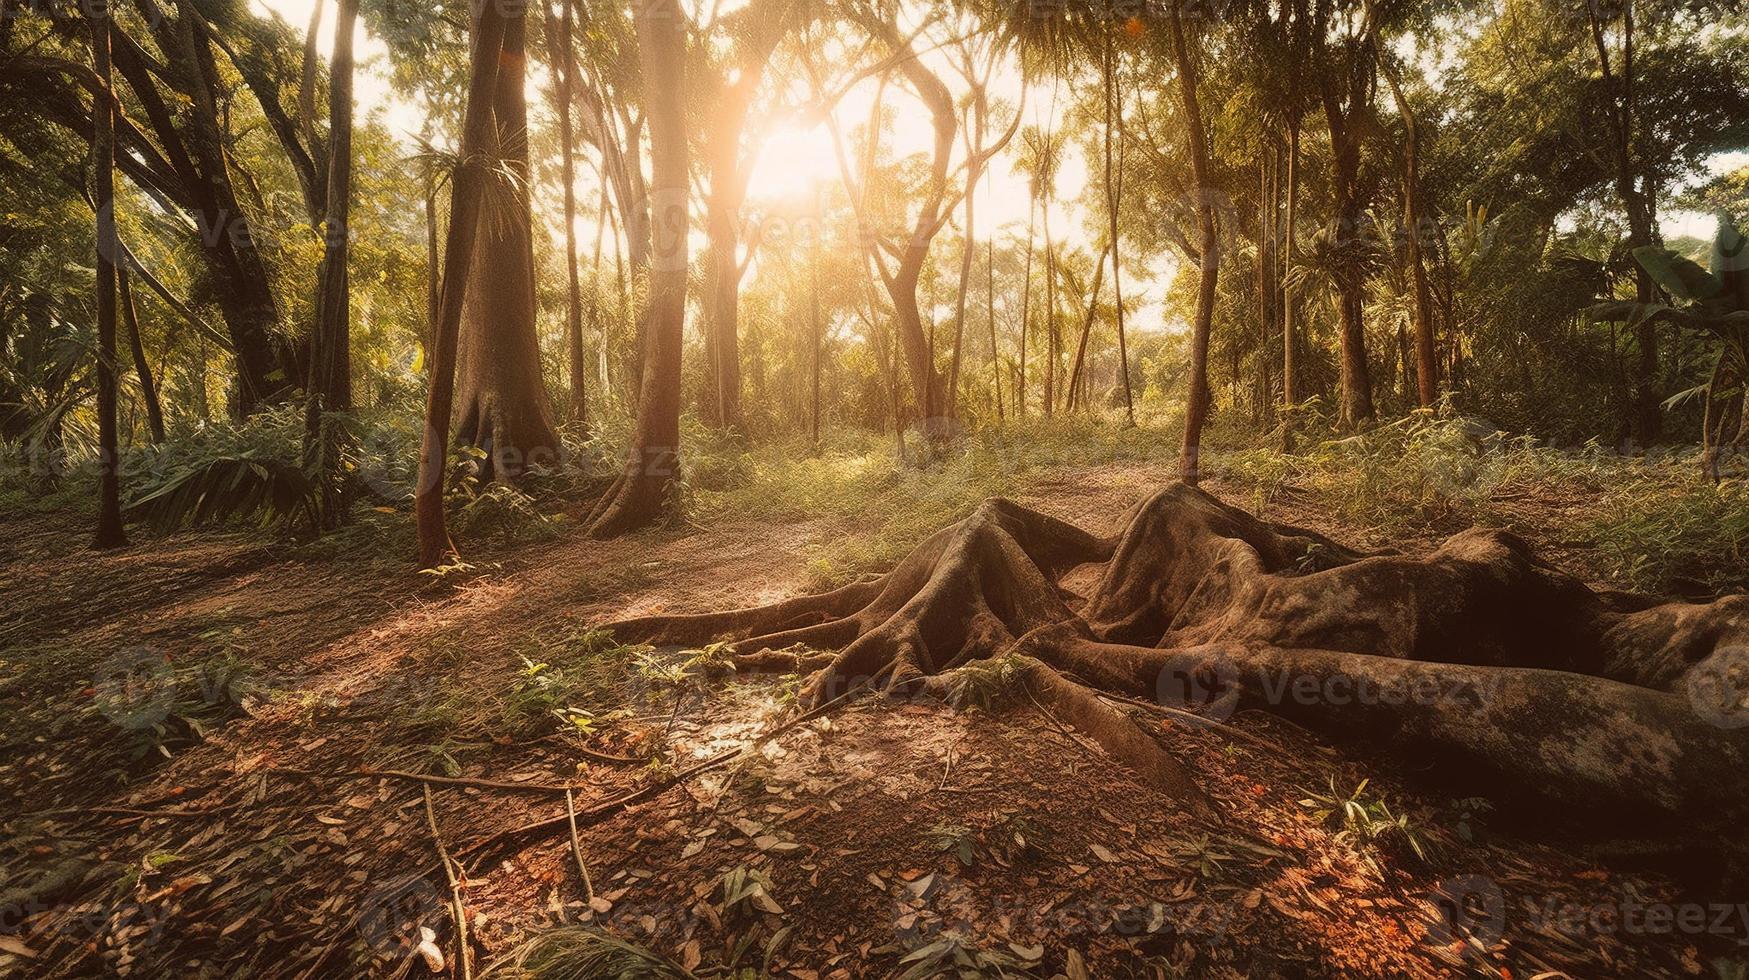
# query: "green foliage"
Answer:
x=588 y=953
x=1678 y=534
x=1366 y=823
x=249 y=472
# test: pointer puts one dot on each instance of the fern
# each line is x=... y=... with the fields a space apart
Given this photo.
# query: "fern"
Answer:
x=218 y=489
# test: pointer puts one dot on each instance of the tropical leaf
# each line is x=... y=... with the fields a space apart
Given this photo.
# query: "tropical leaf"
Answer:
x=259 y=489
x=1681 y=276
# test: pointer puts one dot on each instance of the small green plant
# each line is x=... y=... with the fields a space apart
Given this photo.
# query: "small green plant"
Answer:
x=983 y=684
x=747 y=891
x=1202 y=855
x=956 y=839
x=953 y=955
x=588 y=953
x=1363 y=822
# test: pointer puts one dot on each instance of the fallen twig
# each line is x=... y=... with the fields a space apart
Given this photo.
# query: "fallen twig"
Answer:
x=577 y=852
x=457 y=911
x=470 y=781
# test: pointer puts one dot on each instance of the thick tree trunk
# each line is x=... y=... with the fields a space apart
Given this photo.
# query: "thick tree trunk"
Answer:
x=1340 y=110
x=501 y=400
x=110 y=533
x=641 y=493
x=142 y=369
x=266 y=362
x=467 y=192
x=330 y=381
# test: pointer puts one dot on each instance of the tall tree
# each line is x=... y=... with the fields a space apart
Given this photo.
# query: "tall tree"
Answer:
x=1421 y=312
x=1346 y=83
x=1637 y=199
x=562 y=60
x=1113 y=161
x=179 y=156
x=467 y=190
x=1208 y=249
x=725 y=88
x=110 y=533
x=329 y=388
x=501 y=401
x=641 y=492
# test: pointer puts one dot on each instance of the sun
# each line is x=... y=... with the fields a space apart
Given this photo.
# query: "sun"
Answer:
x=794 y=161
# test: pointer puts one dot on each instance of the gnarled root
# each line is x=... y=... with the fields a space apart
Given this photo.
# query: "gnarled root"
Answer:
x=1498 y=668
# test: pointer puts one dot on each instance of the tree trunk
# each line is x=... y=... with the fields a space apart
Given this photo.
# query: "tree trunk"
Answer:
x=722 y=302
x=1289 y=303
x=1025 y=309
x=142 y=369
x=330 y=381
x=990 y=318
x=1208 y=258
x=816 y=333
x=640 y=494
x=501 y=403
x=1638 y=202
x=1426 y=354
x=110 y=533
x=1051 y=340
x=1340 y=110
x=1077 y=372
x=467 y=191
x=562 y=60
x=1113 y=197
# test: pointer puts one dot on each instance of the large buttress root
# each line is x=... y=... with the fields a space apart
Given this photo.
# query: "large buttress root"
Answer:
x=1479 y=658
x=966 y=593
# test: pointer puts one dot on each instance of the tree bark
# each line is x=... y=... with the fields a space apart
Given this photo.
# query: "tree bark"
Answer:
x=467 y=189
x=110 y=533
x=641 y=493
x=330 y=382
x=1340 y=110
x=1426 y=354
x=501 y=400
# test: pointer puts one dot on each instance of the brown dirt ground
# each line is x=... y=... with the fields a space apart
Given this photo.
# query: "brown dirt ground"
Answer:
x=883 y=829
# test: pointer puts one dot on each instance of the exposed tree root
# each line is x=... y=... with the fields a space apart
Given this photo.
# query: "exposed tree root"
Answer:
x=1479 y=658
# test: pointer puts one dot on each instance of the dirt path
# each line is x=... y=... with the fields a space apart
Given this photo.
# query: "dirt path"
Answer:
x=264 y=849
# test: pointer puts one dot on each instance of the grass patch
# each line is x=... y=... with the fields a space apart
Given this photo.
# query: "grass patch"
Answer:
x=878 y=507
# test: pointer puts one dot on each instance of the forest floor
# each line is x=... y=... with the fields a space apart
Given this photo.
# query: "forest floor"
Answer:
x=197 y=731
